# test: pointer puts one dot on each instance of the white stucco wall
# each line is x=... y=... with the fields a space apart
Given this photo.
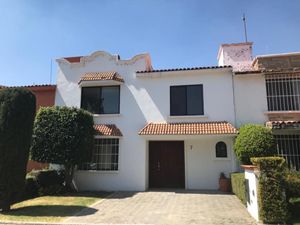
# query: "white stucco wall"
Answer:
x=146 y=99
x=250 y=99
x=252 y=206
x=202 y=167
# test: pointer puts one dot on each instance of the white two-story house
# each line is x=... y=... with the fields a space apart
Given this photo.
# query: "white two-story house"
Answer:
x=172 y=128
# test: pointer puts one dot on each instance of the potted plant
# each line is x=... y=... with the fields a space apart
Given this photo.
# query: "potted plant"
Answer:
x=224 y=183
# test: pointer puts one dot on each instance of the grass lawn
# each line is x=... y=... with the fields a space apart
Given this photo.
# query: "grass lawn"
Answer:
x=295 y=210
x=51 y=208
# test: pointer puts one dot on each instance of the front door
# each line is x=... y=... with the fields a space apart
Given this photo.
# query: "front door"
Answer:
x=166 y=164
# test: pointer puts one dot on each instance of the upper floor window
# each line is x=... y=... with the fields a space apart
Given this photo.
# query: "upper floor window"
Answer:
x=283 y=92
x=101 y=100
x=186 y=100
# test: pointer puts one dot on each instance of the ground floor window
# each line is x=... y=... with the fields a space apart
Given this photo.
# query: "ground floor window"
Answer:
x=288 y=146
x=221 y=150
x=105 y=155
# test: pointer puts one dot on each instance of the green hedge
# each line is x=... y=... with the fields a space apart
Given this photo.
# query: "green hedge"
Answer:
x=17 y=110
x=292 y=183
x=254 y=141
x=238 y=186
x=271 y=189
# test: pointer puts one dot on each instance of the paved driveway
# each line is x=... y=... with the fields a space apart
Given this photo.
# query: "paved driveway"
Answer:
x=167 y=207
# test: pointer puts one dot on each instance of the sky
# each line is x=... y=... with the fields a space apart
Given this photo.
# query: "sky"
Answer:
x=176 y=33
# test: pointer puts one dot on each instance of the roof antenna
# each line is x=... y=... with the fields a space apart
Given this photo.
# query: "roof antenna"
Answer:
x=245 y=27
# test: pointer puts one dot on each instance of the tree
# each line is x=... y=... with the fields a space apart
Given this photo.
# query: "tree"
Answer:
x=64 y=136
x=17 y=111
x=254 y=141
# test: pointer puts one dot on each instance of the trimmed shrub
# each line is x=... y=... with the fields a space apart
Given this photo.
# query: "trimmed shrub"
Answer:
x=31 y=188
x=271 y=189
x=292 y=183
x=46 y=178
x=63 y=136
x=17 y=111
x=254 y=141
x=238 y=186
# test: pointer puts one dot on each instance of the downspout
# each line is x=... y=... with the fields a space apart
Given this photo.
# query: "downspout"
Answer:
x=233 y=96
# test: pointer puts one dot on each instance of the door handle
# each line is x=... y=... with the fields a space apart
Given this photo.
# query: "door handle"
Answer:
x=158 y=166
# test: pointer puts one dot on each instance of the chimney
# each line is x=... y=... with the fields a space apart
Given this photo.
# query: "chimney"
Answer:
x=237 y=55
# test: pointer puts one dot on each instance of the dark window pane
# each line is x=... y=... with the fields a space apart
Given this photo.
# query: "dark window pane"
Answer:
x=110 y=100
x=195 y=100
x=178 y=100
x=90 y=99
x=221 y=150
x=101 y=100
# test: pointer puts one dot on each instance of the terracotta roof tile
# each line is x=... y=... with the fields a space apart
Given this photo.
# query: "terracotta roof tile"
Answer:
x=183 y=69
x=283 y=124
x=107 y=130
x=202 y=128
x=96 y=76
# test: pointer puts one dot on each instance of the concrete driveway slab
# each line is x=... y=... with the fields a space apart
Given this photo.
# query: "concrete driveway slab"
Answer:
x=167 y=207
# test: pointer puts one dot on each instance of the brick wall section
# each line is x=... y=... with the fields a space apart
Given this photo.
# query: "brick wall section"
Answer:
x=45 y=95
x=277 y=62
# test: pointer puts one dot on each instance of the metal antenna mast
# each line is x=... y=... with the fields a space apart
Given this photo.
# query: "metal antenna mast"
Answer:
x=50 y=71
x=245 y=27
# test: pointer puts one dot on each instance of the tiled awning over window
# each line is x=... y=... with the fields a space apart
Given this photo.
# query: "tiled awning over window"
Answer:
x=101 y=76
x=202 y=128
x=107 y=130
x=283 y=124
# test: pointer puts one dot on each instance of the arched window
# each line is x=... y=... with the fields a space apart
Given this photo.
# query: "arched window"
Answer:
x=221 y=150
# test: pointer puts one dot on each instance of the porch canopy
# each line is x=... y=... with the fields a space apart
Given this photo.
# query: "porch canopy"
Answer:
x=110 y=130
x=190 y=128
x=109 y=77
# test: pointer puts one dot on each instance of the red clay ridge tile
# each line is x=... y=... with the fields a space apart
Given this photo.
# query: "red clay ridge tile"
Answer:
x=197 y=128
x=108 y=130
x=98 y=76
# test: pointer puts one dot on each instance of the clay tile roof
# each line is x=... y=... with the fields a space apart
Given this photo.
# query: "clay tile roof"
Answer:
x=107 y=130
x=96 y=76
x=202 y=128
x=184 y=69
x=283 y=124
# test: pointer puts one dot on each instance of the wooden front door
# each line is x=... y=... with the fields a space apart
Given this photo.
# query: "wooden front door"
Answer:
x=166 y=164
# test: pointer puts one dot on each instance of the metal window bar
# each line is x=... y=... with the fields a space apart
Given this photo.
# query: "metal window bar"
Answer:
x=288 y=146
x=283 y=92
x=105 y=156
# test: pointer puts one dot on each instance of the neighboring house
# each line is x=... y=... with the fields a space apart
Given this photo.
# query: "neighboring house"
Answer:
x=44 y=93
x=45 y=96
x=169 y=128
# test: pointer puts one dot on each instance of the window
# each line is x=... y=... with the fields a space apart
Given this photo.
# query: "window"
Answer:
x=101 y=100
x=283 y=92
x=288 y=146
x=221 y=150
x=186 y=100
x=105 y=156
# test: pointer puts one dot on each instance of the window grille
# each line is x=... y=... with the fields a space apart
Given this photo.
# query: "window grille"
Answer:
x=288 y=146
x=283 y=92
x=105 y=155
